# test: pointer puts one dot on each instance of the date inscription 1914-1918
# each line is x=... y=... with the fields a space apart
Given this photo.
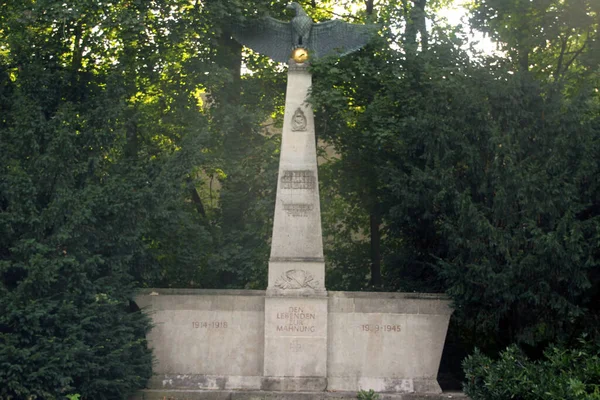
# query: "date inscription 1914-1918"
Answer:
x=209 y=324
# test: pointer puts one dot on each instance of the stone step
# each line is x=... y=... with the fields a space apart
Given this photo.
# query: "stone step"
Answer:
x=263 y=395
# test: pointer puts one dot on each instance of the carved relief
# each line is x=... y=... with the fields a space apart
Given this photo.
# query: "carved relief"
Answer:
x=296 y=279
x=298 y=121
x=298 y=209
x=295 y=346
x=298 y=180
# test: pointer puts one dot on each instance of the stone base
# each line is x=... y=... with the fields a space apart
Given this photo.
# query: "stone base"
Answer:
x=293 y=384
x=178 y=382
x=385 y=385
x=245 y=340
x=268 y=395
x=194 y=382
x=186 y=382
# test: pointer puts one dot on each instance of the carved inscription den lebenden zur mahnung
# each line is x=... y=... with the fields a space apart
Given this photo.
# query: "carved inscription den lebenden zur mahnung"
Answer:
x=296 y=319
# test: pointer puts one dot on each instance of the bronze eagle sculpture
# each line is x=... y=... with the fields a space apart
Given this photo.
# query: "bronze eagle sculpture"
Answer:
x=277 y=39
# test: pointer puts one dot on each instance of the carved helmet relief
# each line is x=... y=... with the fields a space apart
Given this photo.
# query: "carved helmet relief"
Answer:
x=298 y=121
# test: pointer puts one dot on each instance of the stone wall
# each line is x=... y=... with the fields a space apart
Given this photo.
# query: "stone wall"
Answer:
x=215 y=339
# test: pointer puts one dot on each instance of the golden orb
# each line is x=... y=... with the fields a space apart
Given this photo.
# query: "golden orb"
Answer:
x=300 y=55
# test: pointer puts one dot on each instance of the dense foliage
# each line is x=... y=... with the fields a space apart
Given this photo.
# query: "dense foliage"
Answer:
x=563 y=374
x=81 y=185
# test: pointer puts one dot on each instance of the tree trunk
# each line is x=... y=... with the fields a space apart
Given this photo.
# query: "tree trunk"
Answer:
x=416 y=23
x=230 y=57
x=375 y=222
x=523 y=59
x=131 y=131
x=76 y=62
x=196 y=197
x=422 y=23
x=369 y=7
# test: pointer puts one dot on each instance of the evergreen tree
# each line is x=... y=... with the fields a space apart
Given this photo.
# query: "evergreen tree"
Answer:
x=99 y=135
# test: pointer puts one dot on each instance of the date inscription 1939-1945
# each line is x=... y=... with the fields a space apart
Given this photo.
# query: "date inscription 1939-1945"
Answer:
x=376 y=328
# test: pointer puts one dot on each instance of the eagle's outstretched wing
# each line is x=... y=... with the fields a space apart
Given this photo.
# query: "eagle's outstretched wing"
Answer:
x=339 y=37
x=267 y=36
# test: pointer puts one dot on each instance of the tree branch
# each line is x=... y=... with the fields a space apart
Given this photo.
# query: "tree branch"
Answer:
x=577 y=54
x=563 y=48
x=347 y=16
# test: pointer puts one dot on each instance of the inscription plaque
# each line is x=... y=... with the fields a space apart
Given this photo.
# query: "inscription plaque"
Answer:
x=298 y=209
x=304 y=180
x=296 y=319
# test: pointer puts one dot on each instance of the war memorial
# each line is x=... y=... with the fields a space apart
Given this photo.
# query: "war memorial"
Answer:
x=296 y=339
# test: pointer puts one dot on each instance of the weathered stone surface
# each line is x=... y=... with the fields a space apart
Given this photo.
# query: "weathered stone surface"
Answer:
x=388 y=342
x=271 y=395
x=294 y=384
x=210 y=334
x=205 y=382
x=295 y=338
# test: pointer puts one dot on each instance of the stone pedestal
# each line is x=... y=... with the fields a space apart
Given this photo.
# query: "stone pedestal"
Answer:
x=295 y=348
x=295 y=343
x=210 y=340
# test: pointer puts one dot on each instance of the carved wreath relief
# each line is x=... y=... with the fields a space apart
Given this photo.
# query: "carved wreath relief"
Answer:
x=296 y=279
x=298 y=121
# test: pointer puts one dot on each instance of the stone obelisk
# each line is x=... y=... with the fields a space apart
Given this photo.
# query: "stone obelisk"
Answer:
x=296 y=303
x=296 y=323
x=296 y=264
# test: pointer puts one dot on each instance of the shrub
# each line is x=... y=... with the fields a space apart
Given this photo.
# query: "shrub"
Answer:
x=367 y=395
x=563 y=374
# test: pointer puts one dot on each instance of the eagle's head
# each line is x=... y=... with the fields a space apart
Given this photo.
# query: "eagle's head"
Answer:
x=293 y=6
